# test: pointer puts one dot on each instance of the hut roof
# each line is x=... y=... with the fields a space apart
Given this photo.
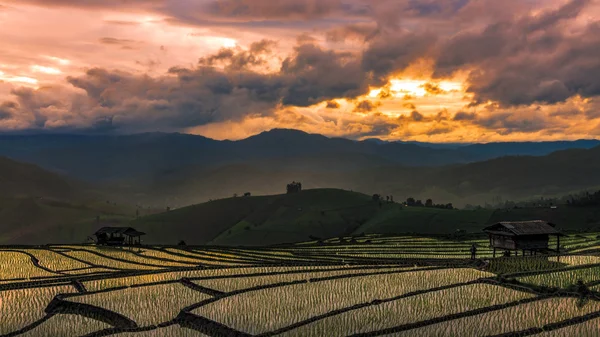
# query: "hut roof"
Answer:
x=120 y=230
x=517 y=228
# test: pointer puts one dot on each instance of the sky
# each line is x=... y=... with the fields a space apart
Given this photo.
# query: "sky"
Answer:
x=427 y=70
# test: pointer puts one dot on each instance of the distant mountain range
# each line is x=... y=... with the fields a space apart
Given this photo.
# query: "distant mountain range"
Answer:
x=126 y=157
x=117 y=177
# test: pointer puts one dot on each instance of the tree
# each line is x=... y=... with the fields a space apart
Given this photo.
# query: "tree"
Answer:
x=428 y=203
x=419 y=203
x=410 y=201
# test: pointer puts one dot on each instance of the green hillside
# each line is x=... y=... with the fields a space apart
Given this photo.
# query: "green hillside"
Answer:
x=326 y=213
x=264 y=219
x=38 y=206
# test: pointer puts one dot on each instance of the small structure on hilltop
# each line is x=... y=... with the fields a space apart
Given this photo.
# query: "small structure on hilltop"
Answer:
x=294 y=187
x=118 y=236
x=531 y=236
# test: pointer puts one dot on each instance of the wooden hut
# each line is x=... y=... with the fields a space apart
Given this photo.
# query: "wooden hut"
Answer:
x=527 y=236
x=118 y=236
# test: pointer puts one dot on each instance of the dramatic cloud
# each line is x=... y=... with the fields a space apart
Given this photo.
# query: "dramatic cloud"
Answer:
x=433 y=70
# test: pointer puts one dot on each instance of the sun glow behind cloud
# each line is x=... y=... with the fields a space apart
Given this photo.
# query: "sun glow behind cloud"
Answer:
x=416 y=88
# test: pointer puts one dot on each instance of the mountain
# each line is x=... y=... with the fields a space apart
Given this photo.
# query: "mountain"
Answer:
x=493 y=150
x=22 y=180
x=505 y=178
x=114 y=158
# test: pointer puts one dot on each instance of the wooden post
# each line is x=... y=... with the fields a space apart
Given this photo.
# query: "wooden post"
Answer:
x=494 y=252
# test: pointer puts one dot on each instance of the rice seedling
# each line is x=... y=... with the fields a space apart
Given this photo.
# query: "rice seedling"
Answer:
x=563 y=279
x=66 y=325
x=131 y=257
x=507 y=265
x=585 y=329
x=586 y=248
x=86 y=271
x=145 y=305
x=15 y=265
x=181 y=260
x=170 y=331
x=105 y=262
x=575 y=260
x=55 y=261
x=211 y=260
x=274 y=308
x=233 y=284
x=110 y=282
x=524 y=316
x=21 y=307
x=191 y=274
x=408 y=310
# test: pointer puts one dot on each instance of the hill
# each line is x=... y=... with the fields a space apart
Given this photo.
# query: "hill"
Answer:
x=37 y=205
x=21 y=179
x=507 y=178
x=126 y=157
x=325 y=213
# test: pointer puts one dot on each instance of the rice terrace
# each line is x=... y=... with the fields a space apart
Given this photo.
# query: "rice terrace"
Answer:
x=370 y=285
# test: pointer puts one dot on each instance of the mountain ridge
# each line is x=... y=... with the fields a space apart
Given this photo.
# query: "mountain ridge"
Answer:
x=122 y=157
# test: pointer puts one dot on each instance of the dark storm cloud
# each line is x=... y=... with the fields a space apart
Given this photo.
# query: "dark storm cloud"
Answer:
x=528 y=60
x=356 y=31
x=416 y=116
x=187 y=97
x=507 y=122
x=465 y=116
x=433 y=89
x=314 y=75
x=365 y=106
x=8 y=109
x=332 y=105
x=238 y=59
x=389 y=53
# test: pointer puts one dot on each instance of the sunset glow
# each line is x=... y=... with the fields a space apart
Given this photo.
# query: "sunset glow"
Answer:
x=424 y=73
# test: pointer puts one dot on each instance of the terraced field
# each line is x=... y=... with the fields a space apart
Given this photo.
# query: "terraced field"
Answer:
x=352 y=286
